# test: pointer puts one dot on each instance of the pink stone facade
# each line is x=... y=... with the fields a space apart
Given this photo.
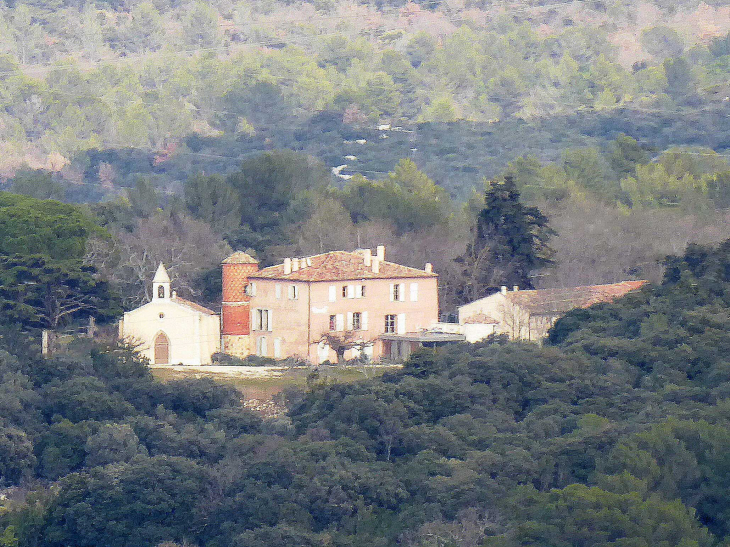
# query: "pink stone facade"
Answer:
x=294 y=306
x=299 y=317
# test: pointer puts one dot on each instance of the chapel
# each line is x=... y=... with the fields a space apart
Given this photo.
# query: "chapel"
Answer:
x=170 y=329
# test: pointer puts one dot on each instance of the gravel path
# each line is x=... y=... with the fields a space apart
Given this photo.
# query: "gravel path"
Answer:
x=232 y=371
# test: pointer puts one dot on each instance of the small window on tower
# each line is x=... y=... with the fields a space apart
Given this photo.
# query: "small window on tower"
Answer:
x=161 y=291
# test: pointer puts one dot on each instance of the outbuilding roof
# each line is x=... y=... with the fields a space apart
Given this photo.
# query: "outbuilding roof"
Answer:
x=339 y=266
x=551 y=301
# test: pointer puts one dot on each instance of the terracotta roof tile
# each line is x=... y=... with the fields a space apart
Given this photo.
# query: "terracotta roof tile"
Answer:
x=338 y=266
x=192 y=305
x=548 y=301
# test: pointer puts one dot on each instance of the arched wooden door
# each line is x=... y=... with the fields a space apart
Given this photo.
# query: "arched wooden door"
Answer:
x=162 y=349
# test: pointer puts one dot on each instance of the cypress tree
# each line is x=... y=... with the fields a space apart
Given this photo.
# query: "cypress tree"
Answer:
x=509 y=243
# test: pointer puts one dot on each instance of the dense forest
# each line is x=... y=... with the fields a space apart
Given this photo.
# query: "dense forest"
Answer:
x=613 y=433
x=100 y=92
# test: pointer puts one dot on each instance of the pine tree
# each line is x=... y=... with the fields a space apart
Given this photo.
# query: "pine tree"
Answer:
x=509 y=243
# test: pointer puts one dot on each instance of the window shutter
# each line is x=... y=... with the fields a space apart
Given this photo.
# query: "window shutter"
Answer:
x=278 y=291
x=349 y=320
x=333 y=293
x=340 y=322
x=414 y=292
x=277 y=348
x=253 y=289
x=351 y=291
x=270 y=320
x=358 y=294
x=255 y=323
x=364 y=321
x=264 y=349
x=401 y=323
x=391 y=291
x=402 y=292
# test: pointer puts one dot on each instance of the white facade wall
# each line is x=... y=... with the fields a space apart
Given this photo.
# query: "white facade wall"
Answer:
x=194 y=336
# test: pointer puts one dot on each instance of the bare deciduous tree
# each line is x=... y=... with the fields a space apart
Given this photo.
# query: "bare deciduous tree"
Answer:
x=340 y=342
x=186 y=247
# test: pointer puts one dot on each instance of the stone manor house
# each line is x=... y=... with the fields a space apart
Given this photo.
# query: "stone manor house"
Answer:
x=299 y=307
x=356 y=302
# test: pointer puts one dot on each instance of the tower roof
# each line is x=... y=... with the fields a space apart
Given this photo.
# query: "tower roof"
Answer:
x=161 y=275
x=239 y=257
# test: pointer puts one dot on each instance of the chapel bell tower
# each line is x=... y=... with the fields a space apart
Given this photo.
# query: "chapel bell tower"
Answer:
x=161 y=284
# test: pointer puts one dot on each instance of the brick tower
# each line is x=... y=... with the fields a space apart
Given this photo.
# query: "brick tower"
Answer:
x=236 y=307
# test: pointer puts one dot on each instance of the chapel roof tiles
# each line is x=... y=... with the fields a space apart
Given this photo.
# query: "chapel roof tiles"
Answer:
x=192 y=305
x=339 y=266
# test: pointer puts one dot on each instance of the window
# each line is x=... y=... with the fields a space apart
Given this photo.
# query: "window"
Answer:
x=160 y=291
x=277 y=291
x=356 y=321
x=397 y=292
x=250 y=289
x=277 y=348
x=262 y=319
x=332 y=293
x=293 y=292
x=360 y=292
x=344 y=291
x=414 y=292
x=390 y=323
x=333 y=322
x=261 y=348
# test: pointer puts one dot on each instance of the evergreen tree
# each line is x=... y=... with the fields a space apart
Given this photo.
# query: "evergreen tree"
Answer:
x=510 y=242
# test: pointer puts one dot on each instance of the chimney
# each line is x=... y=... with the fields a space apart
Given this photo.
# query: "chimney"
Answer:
x=367 y=255
x=174 y=294
x=515 y=288
x=381 y=253
x=294 y=264
x=429 y=267
x=287 y=266
x=309 y=261
x=376 y=265
x=503 y=289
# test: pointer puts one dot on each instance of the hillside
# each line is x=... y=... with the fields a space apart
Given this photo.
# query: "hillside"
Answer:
x=614 y=433
x=99 y=93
